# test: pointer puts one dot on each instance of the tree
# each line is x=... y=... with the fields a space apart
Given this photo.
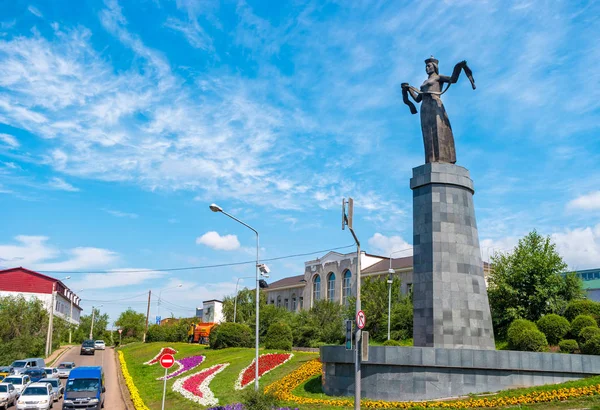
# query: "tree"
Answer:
x=322 y=324
x=529 y=282
x=132 y=323
x=245 y=306
x=85 y=323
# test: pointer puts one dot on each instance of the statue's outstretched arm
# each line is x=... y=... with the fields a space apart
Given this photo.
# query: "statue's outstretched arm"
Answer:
x=406 y=90
x=456 y=73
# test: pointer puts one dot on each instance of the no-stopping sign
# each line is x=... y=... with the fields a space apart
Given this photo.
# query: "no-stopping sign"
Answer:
x=167 y=360
x=360 y=319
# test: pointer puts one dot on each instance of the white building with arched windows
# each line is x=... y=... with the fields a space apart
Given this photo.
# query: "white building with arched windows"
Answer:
x=332 y=277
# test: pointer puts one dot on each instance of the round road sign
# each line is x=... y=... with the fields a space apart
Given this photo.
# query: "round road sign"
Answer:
x=167 y=360
x=360 y=319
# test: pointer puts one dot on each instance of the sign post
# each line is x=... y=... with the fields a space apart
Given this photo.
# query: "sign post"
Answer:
x=166 y=361
x=120 y=332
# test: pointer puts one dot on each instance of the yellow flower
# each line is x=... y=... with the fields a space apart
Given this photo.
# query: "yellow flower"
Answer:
x=133 y=391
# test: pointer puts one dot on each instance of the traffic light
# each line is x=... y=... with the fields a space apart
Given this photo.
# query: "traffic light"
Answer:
x=349 y=334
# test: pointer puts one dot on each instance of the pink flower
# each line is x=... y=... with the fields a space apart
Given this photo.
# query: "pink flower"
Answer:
x=164 y=350
x=184 y=364
x=196 y=386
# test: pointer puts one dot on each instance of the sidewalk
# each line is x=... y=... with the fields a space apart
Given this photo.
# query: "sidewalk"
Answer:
x=55 y=355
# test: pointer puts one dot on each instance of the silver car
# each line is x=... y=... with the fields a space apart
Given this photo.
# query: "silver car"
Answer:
x=64 y=369
x=57 y=387
x=8 y=395
x=99 y=345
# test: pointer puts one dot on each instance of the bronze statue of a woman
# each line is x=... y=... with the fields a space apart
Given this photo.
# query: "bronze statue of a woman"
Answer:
x=437 y=132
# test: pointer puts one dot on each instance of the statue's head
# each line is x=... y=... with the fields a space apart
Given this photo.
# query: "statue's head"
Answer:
x=431 y=66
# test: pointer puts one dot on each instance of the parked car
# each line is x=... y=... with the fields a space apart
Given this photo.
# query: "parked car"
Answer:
x=8 y=395
x=36 y=396
x=99 y=345
x=51 y=372
x=57 y=387
x=5 y=371
x=85 y=389
x=87 y=347
x=64 y=369
x=20 y=365
x=19 y=381
x=35 y=373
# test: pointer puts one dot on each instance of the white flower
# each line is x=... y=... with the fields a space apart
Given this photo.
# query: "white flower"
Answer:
x=238 y=382
x=206 y=397
x=154 y=360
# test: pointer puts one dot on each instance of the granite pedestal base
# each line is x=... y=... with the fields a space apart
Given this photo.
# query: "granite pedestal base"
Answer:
x=425 y=373
x=450 y=302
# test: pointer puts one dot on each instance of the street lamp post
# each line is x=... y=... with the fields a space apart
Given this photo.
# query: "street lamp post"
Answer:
x=51 y=318
x=217 y=208
x=71 y=316
x=159 y=296
x=236 y=295
x=92 y=326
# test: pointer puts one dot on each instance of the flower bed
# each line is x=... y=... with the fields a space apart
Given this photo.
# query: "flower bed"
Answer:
x=138 y=403
x=195 y=387
x=164 y=350
x=266 y=363
x=240 y=406
x=185 y=364
x=283 y=390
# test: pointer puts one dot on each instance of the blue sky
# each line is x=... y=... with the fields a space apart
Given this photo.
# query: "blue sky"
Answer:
x=120 y=122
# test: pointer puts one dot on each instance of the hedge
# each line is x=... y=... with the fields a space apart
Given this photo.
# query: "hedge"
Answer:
x=592 y=346
x=587 y=333
x=530 y=340
x=515 y=330
x=555 y=327
x=579 y=323
x=582 y=307
x=568 y=346
x=279 y=337
x=230 y=335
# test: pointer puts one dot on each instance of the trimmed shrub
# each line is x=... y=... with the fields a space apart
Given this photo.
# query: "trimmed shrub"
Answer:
x=531 y=341
x=568 y=346
x=587 y=333
x=592 y=346
x=230 y=335
x=516 y=329
x=279 y=337
x=555 y=327
x=392 y=342
x=579 y=323
x=258 y=400
x=582 y=307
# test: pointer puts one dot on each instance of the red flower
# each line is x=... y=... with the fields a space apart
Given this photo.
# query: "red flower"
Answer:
x=266 y=363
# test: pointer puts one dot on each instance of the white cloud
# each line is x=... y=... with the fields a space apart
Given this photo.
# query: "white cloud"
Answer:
x=213 y=240
x=61 y=185
x=120 y=214
x=35 y=11
x=120 y=277
x=588 y=202
x=33 y=252
x=580 y=247
x=9 y=140
x=385 y=245
x=489 y=247
x=192 y=31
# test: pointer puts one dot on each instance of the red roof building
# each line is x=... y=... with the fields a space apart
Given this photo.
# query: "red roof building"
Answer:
x=30 y=284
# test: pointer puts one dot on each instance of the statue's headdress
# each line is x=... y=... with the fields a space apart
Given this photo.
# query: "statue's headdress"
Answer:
x=435 y=63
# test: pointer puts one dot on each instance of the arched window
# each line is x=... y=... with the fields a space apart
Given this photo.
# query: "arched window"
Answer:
x=331 y=286
x=346 y=287
x=278 y=301
x=316 y=288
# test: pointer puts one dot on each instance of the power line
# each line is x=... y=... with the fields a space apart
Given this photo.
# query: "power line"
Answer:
x=221 y=265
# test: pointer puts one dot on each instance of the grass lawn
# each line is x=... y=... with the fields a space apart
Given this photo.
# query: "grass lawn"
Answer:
x=151 y=389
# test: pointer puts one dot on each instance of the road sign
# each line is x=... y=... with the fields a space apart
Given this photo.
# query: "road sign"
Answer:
x=364 y=344
x=360 y=319
x=158 y=320
x=167 y=360
x=348 y=335
x=120 y=331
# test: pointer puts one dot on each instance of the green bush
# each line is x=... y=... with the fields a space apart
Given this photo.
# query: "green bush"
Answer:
x=568 y=346
x=392 y=342
x=587 y=333
x=516 y=329
x=258 y=400
x=531 y=341
x=582 y=307
x=592 y=346
x=156 y=333
x=279 y=337
x=579 y=323
x=230 y=335
x=555 y=327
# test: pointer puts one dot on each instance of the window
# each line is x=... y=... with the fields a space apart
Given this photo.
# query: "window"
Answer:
x=278 y=301
x=331 y=286
x=346 y=287
x=301 y=302
x=409 y=288
x=286 y=304
x=316 y=288
x=293 y=302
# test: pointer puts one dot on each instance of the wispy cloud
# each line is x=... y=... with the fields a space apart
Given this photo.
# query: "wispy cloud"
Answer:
x=192 y=31
x=61 y=185
x=35 y=11
x=588 y=202
x=9 y=140
x=120 y=214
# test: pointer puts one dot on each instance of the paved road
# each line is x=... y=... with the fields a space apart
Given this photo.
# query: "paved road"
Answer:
x=106 y=359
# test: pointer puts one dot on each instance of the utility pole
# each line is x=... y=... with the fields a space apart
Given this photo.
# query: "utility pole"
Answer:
x=347 y=221
x=147 y=316
x=92 y=326
x=50 y=321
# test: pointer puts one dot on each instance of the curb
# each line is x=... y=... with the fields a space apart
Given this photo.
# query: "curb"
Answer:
x=62 y=353
x=125 y=396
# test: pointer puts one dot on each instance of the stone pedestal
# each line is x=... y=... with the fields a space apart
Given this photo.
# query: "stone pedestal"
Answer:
x=451 y=308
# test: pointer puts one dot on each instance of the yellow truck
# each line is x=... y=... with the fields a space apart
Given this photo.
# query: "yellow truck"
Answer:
x=199 y=332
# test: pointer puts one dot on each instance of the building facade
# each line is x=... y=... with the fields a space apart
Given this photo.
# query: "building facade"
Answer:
x=29 y=284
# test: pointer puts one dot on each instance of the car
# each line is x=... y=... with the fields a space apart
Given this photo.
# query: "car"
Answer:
x=35 y=373
x=64 y=369
x=36 y=396
x=8 y=395
x=57 y=387
x=87 y=347
x=99 y=345
x=51 y=372
x=5 y=371
x=20 y=365
x=19 y=381
x=85 y=389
